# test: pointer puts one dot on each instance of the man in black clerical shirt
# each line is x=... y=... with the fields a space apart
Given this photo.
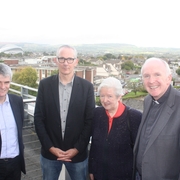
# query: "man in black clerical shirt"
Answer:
x=157 y=146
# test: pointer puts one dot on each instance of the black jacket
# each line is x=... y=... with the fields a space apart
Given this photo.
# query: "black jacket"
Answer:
x=79 y=117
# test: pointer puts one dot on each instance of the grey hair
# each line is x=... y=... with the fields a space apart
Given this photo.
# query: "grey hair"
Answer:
x=168 y=70
x=67 y=46
x=112 y=82
x=5 y=70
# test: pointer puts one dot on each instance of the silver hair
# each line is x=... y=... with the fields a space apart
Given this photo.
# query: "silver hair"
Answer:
x=67 y=46
x=112 y=82
x=168 y=70
x=5 y=70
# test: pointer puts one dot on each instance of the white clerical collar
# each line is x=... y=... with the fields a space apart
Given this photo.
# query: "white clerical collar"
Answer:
x=155 y=101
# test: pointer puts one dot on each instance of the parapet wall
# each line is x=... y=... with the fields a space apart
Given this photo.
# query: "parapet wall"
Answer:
x=135 y=103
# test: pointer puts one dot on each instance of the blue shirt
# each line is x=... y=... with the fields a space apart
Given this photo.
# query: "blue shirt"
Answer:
x=9 y=134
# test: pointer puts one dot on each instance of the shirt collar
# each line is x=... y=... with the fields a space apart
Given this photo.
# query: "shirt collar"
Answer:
x=6 y=99
x=71 y=82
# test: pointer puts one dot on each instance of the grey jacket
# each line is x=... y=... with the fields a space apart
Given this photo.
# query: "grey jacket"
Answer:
x=161 y=159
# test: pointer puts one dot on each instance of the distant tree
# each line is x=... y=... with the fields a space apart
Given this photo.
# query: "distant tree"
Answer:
x=150 y=56
x=81 y=62
x=136 y=72
x=98 y=102
x=18 y=55
x=109 y=56
x=2 y=54
x=137 y=67
x=119 y=56
x=100 y=58
x=125 y=57
x=27 y=53
x=128 y=65
x=27 y=76
x=45 y=54
x=54 y=72
x=133 y=86
x=178 y=71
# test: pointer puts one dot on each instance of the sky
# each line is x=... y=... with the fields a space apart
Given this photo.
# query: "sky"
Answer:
x=144 y=23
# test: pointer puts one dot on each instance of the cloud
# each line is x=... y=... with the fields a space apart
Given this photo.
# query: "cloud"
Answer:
x=140 y=22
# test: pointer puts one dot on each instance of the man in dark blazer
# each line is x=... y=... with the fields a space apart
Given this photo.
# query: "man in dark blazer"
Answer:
x=11 y=124
x=157 y=146
x=63 y=118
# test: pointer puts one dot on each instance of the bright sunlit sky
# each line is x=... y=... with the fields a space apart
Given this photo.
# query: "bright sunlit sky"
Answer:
x=152 y=23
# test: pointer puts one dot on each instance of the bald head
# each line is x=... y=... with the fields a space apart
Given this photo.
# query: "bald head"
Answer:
x=159 y=62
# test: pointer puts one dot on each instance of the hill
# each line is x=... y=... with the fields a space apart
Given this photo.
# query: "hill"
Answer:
x=97 y=48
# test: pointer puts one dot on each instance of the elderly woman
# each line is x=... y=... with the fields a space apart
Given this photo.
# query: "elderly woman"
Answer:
x=114 y=131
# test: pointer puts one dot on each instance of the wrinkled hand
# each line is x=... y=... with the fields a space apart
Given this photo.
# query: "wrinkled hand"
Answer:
x=63 y=155
x=91 y=176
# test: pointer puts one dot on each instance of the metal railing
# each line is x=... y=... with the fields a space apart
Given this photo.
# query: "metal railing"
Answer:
x=31 y=143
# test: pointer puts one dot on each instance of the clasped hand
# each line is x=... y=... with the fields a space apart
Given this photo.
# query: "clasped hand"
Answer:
x=64 y=155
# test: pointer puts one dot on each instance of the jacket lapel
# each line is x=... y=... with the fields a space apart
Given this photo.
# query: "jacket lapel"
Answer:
x=147 y=102
x=75 y=90
x=13 y=107
x=55 y=91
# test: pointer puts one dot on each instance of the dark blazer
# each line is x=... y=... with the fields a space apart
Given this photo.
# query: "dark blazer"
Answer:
x=111 y=155
x=16 y=103
x=0 y=142
x=161 y=159
x=78 y=122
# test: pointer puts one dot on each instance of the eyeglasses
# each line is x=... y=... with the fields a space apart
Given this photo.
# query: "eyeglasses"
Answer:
x=62 y=60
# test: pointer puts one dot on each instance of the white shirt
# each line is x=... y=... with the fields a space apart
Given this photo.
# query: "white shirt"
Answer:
x=9 y=134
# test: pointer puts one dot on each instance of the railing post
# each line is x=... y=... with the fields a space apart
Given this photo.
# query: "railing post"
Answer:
x=24 y=92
